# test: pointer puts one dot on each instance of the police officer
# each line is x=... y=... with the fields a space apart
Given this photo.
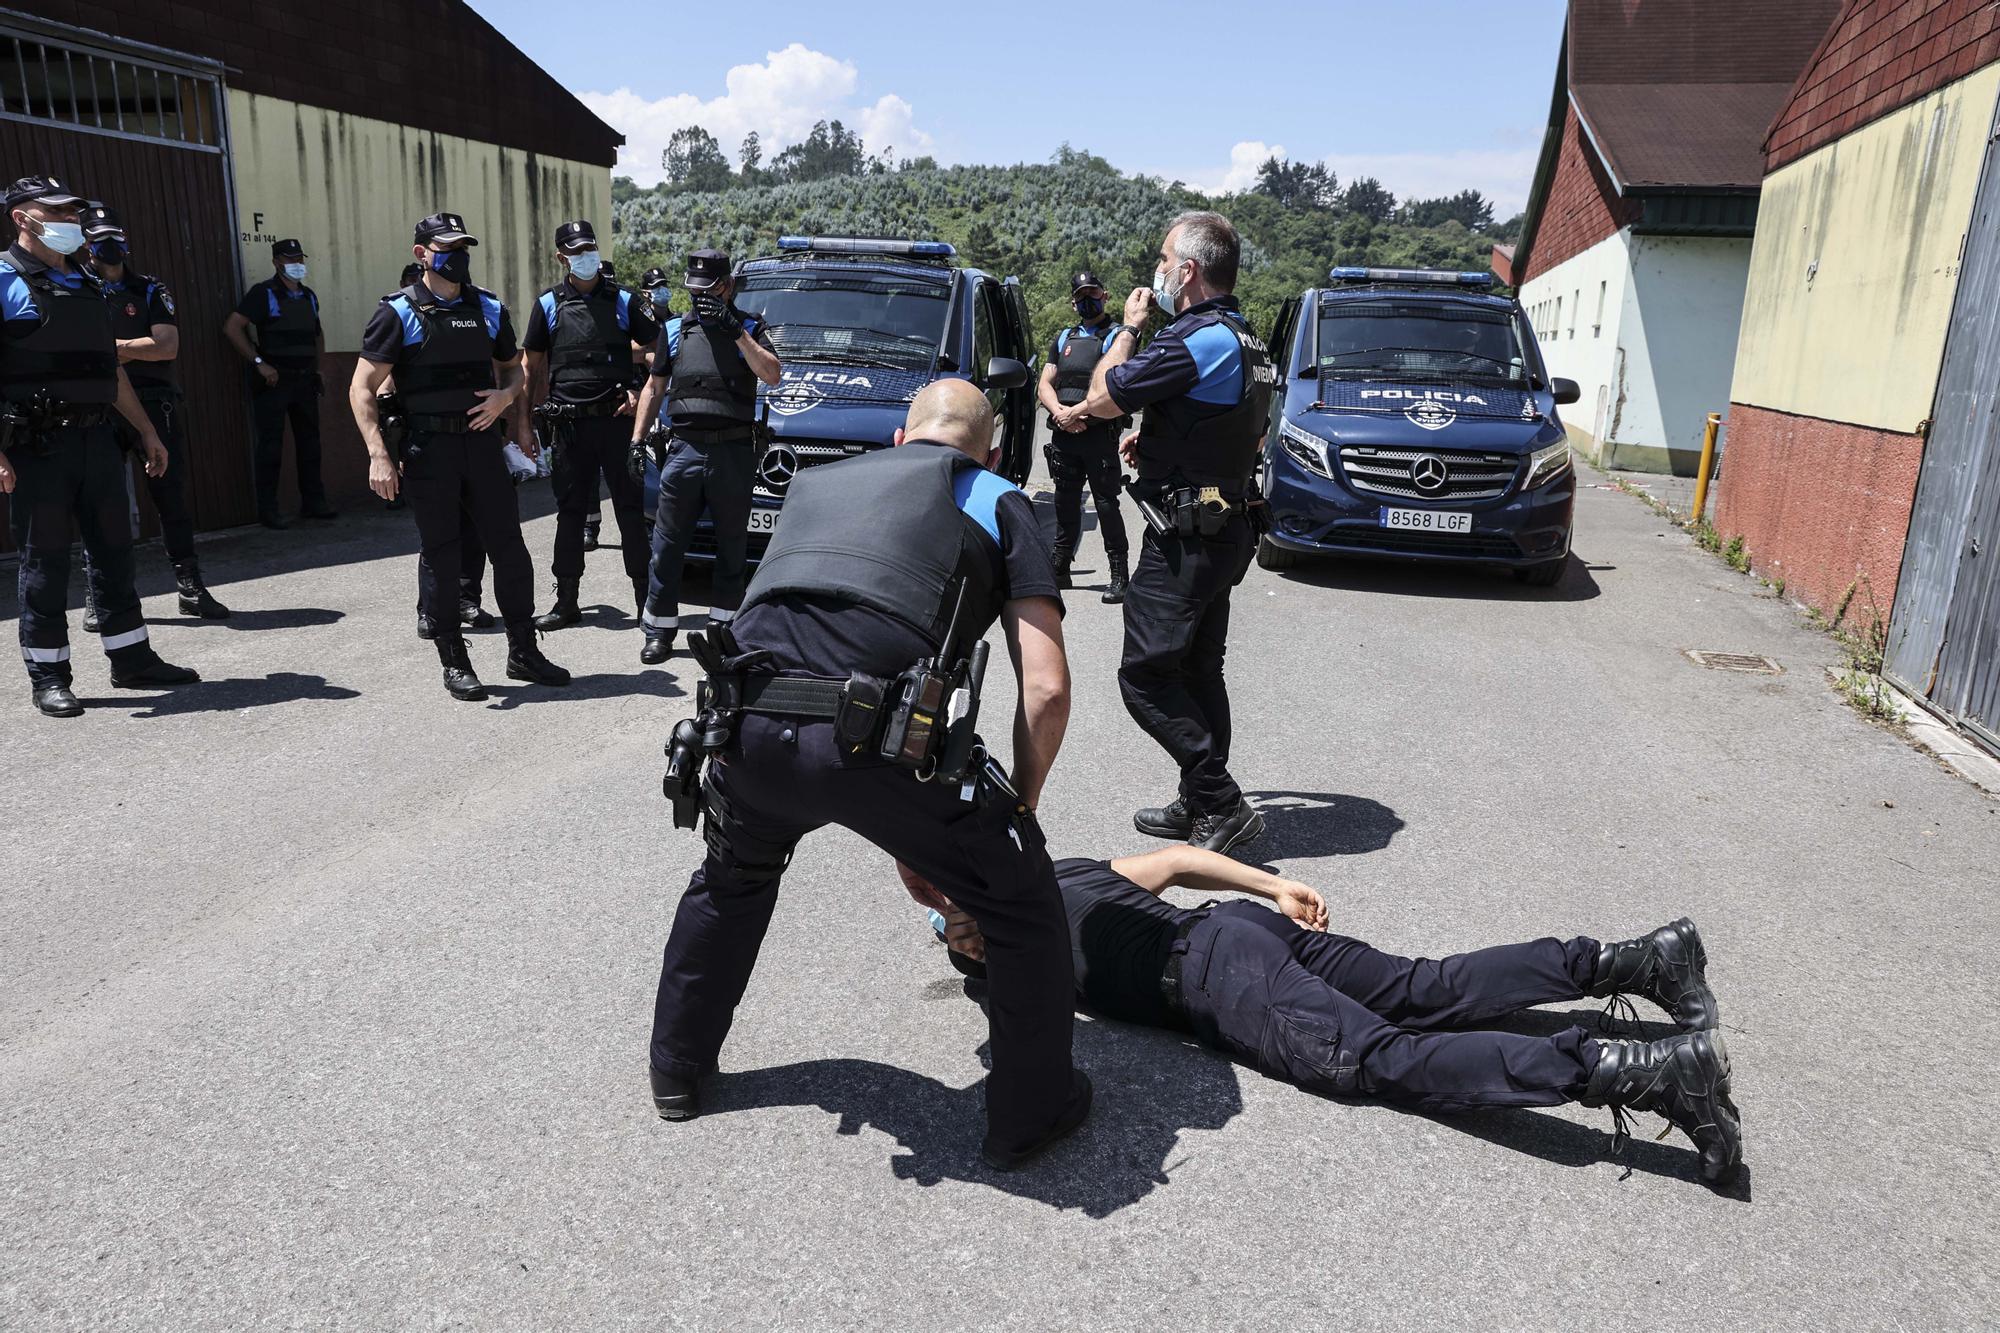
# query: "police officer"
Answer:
x=866 y=578
x=1085 y=449
x=581 y=334
x=451 y=348
x=709 y=364
x=285 y=382
x=1331 y=1014
x=60 y=464
x=1205 y=385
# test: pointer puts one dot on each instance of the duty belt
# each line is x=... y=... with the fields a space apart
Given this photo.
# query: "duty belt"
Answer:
x=744 y=434
x=603 y=407
x=793 y=696
x=1170 y=975
x=70 y=418
x=436 y=423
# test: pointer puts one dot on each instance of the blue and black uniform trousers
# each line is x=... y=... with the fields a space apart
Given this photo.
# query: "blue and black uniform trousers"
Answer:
x=70 y=483
x=587 y=447
x=781 y=778
x=718 y=476
x=1333 y=1015
x=293 y=400
x=1090 y=457
x=1176 y=637
x=452 y=477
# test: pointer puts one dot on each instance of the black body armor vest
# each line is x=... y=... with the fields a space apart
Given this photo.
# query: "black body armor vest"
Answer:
x=883 y=530
x=131 y=317
x=73 y=356
x=590 y=356
x=290 y=340
x=1082 y=349
x=440 y=375
x=1206 y=446
x=712 y=385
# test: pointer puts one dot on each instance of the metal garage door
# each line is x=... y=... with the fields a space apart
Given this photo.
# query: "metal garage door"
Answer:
x=1944 y=637
x=143 y=130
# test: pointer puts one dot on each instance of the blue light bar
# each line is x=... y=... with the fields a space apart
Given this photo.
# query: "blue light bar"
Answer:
x=1428 y=276
x=861 y=245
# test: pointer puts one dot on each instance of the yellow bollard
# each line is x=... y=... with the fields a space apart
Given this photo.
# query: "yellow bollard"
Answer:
x=1707 y=466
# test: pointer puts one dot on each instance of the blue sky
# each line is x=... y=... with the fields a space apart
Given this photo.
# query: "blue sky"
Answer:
x=1429 y=95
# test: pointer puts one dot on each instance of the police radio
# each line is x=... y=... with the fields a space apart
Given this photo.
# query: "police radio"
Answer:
x=931 y=710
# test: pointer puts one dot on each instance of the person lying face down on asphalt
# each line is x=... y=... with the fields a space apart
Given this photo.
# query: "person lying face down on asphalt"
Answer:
x=1276 y=990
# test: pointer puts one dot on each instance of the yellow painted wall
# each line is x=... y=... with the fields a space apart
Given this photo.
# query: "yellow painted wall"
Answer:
x=351 y=189
x=1883 y=214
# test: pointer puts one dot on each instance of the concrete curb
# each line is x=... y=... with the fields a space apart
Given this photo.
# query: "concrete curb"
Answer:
x=1961 y=754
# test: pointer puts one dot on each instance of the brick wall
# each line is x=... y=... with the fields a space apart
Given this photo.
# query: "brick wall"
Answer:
x=1881 y=55
x=1821 y=504
x=1582 y=206
x=431 y=64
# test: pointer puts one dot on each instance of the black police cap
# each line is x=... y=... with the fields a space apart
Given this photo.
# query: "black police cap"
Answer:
x=1082 y=280
x=705 y=268
x=655 y=277
x=442 y=228
x=578 y=235
x=42 y=190
x=607 y=269
x=289 y=248
x=100 y=221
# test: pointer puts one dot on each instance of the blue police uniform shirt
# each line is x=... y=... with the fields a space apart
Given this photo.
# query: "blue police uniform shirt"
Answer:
x=1197 y=357
x=396 y=325
x=19 y=313
x=825 y=637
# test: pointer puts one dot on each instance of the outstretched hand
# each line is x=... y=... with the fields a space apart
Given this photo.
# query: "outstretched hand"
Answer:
x=1302 y=903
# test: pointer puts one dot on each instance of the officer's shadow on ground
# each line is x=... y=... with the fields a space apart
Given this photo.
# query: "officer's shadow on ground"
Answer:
x=1150 y=1088
x=280 y=617
x=228 y=696
x=601 y=685
x=1316 y=823
x=1360 y=574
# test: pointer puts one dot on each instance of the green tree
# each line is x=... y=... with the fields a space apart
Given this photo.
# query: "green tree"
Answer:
x=1366 y=198
x=693 y=160
x=749 y=155
x=1297 y=184
x=1469 y=208
x=831 y=149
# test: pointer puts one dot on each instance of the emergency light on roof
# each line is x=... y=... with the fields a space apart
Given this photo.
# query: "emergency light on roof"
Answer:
x=861 y=245
x=1429 y=276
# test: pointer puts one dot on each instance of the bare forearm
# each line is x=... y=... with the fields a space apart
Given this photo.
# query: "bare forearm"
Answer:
x=649 y=406
x=132 y=409
x=535 y=375
x=1212 y=872
x=158 y=347
x=1040 y=719
x=762 y=361
x=235 y=331
x=361 y=391
x=1045 y=392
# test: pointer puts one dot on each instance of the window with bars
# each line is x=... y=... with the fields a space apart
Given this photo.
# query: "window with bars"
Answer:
x=46 y=81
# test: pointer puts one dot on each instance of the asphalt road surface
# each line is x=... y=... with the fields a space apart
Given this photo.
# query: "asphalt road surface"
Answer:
x=324 y=999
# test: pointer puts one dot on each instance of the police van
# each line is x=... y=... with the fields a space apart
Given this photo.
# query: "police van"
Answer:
x=859 y=326
x=1414 y=419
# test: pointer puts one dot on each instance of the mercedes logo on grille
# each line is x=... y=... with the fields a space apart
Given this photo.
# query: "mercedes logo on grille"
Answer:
x=780 y=465
x=1429 y=474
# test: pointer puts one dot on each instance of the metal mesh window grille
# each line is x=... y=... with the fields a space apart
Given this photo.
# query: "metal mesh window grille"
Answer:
x=47 y=81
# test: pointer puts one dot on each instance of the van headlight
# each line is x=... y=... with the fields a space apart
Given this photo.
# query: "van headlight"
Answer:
x=1545 y=465
x=1306 y=449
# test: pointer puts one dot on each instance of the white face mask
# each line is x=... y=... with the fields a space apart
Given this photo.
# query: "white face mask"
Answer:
x=585 y=264
x=1168 y=297
x=65 y=238
x=296 y=272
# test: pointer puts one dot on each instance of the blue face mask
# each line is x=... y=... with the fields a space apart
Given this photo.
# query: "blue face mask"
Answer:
x=296 y=272
x=584 y=265
x=65 y=238
x=1089 y=307
x=454 y=266
x=111 y=252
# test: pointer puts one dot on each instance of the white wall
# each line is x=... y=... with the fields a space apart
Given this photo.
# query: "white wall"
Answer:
x=1562 y=305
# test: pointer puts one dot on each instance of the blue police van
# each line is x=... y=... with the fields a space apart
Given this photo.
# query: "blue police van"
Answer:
x=1414 y=419
x=859 y=326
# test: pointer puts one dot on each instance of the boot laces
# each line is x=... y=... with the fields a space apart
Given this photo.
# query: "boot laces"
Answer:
x=1619 y=1014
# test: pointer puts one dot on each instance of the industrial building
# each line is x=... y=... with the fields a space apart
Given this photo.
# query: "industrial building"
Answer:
x=1861 y=467
x=1636 y=243
x=216 y=127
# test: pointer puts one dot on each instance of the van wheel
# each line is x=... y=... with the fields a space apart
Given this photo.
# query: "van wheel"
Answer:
x=1545 y=575
x=1271 y=556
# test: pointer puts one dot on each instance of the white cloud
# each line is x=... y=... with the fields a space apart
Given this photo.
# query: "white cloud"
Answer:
x=1244 y=159
x=780 y=99
x=1501 y=174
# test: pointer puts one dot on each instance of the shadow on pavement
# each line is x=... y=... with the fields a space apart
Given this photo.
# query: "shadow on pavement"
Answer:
x=1566 y=1143
x=602 y=685
x=1313 y=823
x=1150 y=1086
x=1359 y=574
x=228 y=696
x=283 y=617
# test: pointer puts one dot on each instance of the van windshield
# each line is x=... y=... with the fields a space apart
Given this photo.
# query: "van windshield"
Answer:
x=1395 y=337
x=849 y=319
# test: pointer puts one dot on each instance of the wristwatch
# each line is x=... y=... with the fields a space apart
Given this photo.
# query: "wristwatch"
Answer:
x=256 y=360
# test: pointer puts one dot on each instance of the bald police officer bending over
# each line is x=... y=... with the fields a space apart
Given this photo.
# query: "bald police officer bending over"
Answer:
x=887 y=570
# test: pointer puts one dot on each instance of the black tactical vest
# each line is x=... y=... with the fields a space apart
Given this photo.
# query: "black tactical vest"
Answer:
x=884 y=531
x=72 y=357
x=440 y=374
x=589 y=354
x=1082 y=349
x=712 y=385
x=290 y=339
x=1208 y=446
x=131 y=317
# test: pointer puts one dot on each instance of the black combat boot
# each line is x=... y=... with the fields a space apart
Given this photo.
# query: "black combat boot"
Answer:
x=659 y=646
x=1684 y=1078
x=1224 y=829
x=459 y=678
x=1009 y=1156
x=564 y=612
x=196 y=600
x=140 y=668
x=272 y=518
x=1120 y=575
x=89 y=607
x=590 y=526
x=52 y=696
x=1668 y=967
x=426 y=627
x=1060 y=558
x=1165 y=821
x=675 y=1098
x=525 y=660
x=471 y=615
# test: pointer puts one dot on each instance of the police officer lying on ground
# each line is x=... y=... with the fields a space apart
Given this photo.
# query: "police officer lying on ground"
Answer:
x=60 y=465
x=581 y=334
x=709 y=365
x=1335 y=1016
x=149 y=338
x=1205 y=385
x=451 y=348
x=1084 y=449
x=285 y=382
x=887 y=571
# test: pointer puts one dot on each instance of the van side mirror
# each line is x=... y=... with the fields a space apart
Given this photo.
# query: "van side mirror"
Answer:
x=1004 y=372
x=1566 y=391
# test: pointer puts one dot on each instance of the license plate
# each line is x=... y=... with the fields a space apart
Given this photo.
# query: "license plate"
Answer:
x=763 y=520
x=1427 y=520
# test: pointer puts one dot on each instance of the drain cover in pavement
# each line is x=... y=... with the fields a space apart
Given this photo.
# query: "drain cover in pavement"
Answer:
x=1762 y=666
